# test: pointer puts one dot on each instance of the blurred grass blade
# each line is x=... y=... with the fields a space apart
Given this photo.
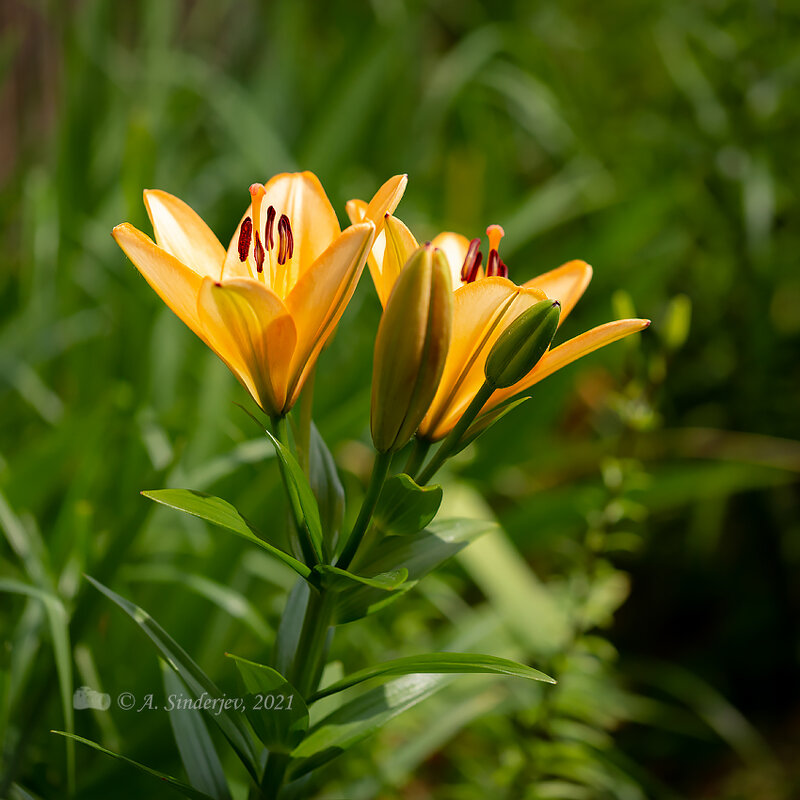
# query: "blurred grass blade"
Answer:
x=179 y=786
x=274 y=707
x=231 y=725
x=222 y=514
x=224 y=597
x=438 y=663
x=200 y=759
x=62 y=652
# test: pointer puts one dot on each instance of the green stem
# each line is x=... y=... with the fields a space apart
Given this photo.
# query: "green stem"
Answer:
x=280 y=430
x=380 y=470
x=418 y=452
x=451 y=442
x=304 y=675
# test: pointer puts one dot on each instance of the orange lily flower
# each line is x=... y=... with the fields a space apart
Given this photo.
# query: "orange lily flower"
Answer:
x=485 y=304
x=268 y=304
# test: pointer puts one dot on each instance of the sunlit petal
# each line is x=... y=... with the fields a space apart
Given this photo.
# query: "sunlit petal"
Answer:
x=566 y=284
x=399 y=245
x=570 y=351
x=173 y=281
x=482 y=311
x=250 y=329
x=386 y=200
x=180 y=231
x=455 y=247
x=319 y=298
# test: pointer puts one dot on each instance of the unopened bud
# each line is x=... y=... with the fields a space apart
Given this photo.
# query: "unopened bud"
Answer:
x=411 y=348
x=521 y=345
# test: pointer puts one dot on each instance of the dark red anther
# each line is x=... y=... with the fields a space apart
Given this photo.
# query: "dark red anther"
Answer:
x=270 y=220
x=502 y=269
x=286 y=243
x=492 y=264
x=258 y=253
x=245 y=235
x=472 y=262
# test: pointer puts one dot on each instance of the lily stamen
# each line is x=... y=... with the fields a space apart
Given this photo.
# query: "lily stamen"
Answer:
x=286 y=244
x=245 y=235
x=472 y=262
x=271 y=214
x=258 y=252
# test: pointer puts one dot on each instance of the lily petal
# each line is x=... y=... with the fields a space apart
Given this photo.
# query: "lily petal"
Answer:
x=573 y=349
x=386 y=200
x=180 y=231
x=399 y=245
x=314 y=223
x=566 y=284
x=320 y=296
x=455 y=247
x=482 y=311
x=249 y=328
x=172 y=280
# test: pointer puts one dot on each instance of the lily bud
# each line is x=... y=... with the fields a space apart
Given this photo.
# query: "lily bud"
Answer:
x=411 y=347
x=522 y=344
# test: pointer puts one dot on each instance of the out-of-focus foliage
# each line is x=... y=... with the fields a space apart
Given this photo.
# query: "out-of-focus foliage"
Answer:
x=655 y=140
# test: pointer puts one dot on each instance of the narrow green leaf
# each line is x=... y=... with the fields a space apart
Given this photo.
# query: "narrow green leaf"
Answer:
x=221 y=513
x=300 y=496
x=290 y=626
x=327 y=487
x=200 y=759
x=418 y=554
x=430 y=663
x=231 y=725
x=405 y=507
x=360 y=718
x=179 y=786
x=274 y=707
x=340 y=580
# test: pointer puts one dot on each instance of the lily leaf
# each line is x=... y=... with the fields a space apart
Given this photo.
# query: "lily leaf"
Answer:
x=405 y=507
x=360 y=718
x=327 y=488
x=231 y=725
x=179 y=786
x=221 y=513
x=340 y=580
x=418 y=554
x=274 y=707
x=301 y=497
x=430 y=663
x=200 y=759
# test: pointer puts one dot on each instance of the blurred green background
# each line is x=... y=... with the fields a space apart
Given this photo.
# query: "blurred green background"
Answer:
x=649 y=494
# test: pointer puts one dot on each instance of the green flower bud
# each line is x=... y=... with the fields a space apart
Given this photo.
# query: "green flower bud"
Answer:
x=411 y=347
x=521 y=345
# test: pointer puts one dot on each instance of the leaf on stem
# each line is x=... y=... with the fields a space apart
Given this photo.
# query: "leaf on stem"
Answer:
x=231 y=725
x=163 y=778
x=437 y=663
x=221 y=513
x=274 y=707
x=405 y=507
x=301 y=497
x=340 y=580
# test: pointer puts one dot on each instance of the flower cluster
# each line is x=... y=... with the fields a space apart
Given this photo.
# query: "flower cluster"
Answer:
x=268 y=304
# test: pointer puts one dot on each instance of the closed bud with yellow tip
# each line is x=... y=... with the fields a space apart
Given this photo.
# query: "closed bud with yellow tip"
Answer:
x=522 y=344
x=411 y=347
